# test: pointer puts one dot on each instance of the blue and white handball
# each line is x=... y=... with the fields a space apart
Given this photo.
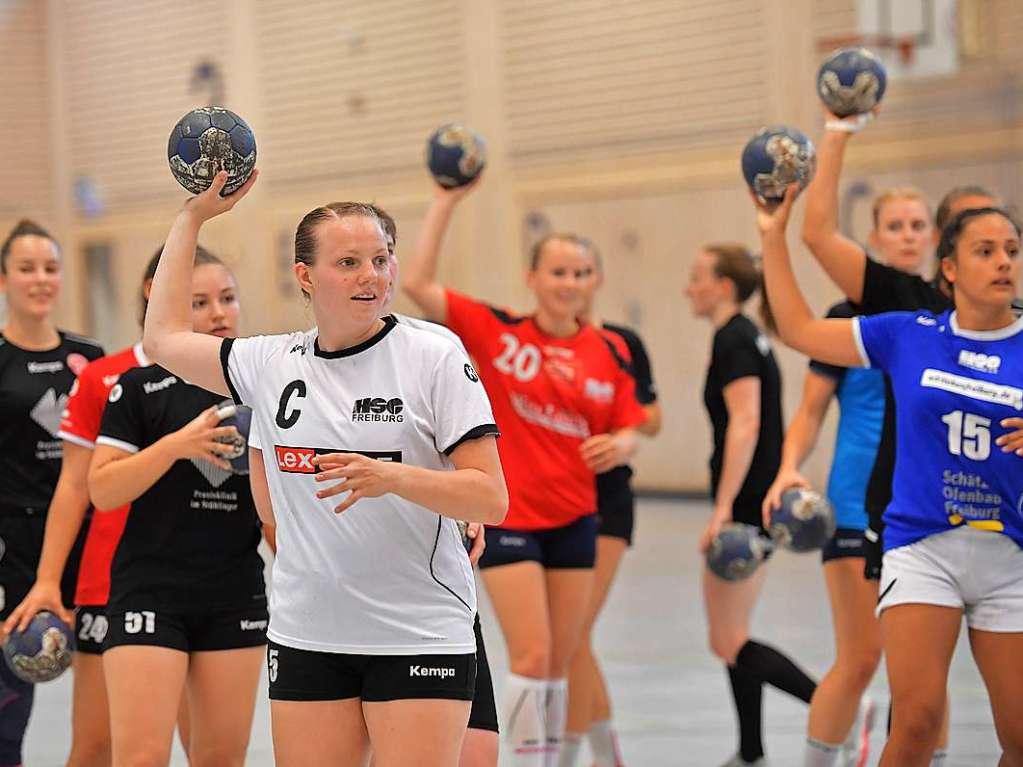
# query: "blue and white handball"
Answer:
x=41 y=652
x=455 y=155
x=851 y=81
x=737 y=551
x=206 y=141
x=775 y=158
x=805 y=520
x=240 y=417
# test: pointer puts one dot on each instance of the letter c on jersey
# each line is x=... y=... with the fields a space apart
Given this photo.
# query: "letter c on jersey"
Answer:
x=293 y=389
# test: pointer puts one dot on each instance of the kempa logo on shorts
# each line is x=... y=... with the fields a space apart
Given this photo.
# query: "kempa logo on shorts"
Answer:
x=378 y=409
x=434 y=672
x=253 y=625
x=167 y=382
x=512 y=540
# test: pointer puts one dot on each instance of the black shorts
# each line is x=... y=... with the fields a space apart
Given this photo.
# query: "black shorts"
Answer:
x=91 y=628
x=616 y=506
x=573 y=546
x=483 y=715
x=308 y=675
x=845 y=543
x=21 y=543
x=748 y=514
x=188 y=630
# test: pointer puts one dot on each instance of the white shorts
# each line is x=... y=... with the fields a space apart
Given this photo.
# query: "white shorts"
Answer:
x=977 y=571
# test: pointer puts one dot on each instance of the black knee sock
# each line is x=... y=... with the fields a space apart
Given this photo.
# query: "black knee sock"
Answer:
x=773 y=668
x=747 y=692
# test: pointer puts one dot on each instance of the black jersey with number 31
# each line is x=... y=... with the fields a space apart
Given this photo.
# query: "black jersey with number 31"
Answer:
x=191 y=538
x=34 y=387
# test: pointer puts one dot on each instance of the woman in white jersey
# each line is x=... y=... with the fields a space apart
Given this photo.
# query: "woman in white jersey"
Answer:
x=372 y=599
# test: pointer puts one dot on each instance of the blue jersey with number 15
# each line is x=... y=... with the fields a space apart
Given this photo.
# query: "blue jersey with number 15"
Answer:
x=952 y=389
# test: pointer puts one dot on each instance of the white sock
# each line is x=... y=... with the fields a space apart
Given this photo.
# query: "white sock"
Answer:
x=604 y=744
x=938 y=760
x=820 y=754
x=555 y=714
x=523 y=710
x=570 y=746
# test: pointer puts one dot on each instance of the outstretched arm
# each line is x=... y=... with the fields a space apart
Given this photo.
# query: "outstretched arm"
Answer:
x=827 y=340
x=168 y=338
x=843 y=259
x=419 y=277
x=800 y=438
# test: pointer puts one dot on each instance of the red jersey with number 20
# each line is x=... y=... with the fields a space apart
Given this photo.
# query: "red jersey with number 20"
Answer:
x=549 y=395
x=80 y=425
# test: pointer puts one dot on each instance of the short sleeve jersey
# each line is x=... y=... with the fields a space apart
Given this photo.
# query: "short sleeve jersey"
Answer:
x=80 y=425
x=388 y=576
x=549 y=395
x=740 y=350
x=191 y=539
x=861 y=400
x=953 y=387
x=34 y=388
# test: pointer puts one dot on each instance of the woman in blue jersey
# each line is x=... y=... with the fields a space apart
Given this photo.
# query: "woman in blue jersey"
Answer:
x=902 y=236
x=954 y=530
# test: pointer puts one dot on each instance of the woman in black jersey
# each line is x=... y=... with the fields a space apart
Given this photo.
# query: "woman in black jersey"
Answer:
x=187 y=610
x=589 y=704
x=38 y=366
x=743 y=398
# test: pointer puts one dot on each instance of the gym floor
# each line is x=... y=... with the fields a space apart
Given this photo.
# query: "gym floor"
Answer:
x=671 y=698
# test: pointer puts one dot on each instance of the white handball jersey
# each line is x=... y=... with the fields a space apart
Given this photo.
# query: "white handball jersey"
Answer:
x=386 y=577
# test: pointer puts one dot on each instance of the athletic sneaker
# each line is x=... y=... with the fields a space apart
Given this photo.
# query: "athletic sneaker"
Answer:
x=856 y=748
x=738 y=761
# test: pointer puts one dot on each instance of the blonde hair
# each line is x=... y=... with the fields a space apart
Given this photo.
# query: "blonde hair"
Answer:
x=898 y=193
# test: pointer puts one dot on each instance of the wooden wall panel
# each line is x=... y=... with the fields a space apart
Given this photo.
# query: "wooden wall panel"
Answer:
x=128 y=68
x=356 y=88
x=24 y=110
x=593 y=77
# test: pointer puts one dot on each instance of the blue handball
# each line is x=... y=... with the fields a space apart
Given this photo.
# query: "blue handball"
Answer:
x=737 y=551
x=775 y=158
x=851 y=81
x=240 y=417
x=455 y=155
x=41 y=652
x=206 y=141
x=804 y=521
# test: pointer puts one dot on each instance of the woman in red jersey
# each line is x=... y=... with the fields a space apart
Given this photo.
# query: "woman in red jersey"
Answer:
x=566 y=408
x=79 y=427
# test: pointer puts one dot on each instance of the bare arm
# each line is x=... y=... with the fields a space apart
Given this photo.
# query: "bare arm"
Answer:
x=843 y=260
x=261 y=497
x=806 y=424
x=742 y=400
x=827 y=340
x=474 y=491
x=800 y=438
x=651 y=427
x=168 y=338
x=117 y=476
x=419 y=276
x=260 y=488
